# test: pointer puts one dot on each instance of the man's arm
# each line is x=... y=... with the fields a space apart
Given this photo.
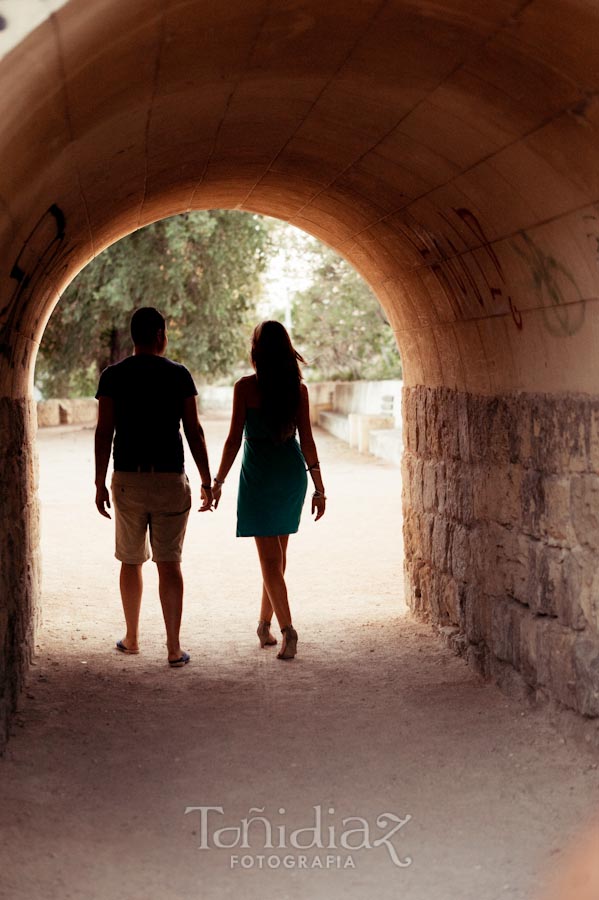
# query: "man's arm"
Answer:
x=103 y=446
x=197 y=444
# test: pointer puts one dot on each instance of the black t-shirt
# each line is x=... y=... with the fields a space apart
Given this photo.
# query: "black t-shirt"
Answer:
x=148 y=393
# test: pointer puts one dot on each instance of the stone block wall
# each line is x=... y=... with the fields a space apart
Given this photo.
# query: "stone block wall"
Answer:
x=19 y=550
x=75 y=411
x=501 y=531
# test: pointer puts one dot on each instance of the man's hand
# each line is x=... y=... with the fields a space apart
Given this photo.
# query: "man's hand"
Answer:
x=103 y=500
x=206 y=500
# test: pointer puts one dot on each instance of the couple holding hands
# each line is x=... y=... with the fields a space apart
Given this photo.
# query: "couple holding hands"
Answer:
x=142 y=401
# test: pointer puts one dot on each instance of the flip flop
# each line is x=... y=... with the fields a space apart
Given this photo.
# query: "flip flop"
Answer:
x=179 y=663
x=121 y=647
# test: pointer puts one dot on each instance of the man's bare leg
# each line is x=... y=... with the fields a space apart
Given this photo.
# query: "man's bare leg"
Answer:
x=131 y=584
x=170 y=587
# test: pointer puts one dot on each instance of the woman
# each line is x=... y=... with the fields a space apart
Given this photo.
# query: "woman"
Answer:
x=271 y=405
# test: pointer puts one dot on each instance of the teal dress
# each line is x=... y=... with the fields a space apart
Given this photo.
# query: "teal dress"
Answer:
x=272 y=482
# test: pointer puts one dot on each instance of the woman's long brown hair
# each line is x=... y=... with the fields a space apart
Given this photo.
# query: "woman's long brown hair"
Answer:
x=276 y=362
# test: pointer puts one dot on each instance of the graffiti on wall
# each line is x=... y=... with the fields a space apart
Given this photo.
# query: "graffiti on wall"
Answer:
x=497 y=286
x=42 y=252
x=592 y=223
x=481 y=278
x=554 y=283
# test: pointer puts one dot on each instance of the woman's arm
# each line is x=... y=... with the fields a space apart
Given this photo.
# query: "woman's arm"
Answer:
x=234 y=438
x=308 y=446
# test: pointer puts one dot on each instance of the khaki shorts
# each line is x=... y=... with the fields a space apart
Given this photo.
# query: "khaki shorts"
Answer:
x=150 y=508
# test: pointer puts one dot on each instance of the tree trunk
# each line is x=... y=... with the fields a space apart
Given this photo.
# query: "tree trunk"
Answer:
x=115 y=346
x=114 y=352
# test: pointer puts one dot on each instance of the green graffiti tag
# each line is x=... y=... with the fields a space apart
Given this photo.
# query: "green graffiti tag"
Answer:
x=551 y=280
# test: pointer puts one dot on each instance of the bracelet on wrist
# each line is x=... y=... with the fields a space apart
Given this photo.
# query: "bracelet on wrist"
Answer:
x=218 y=482
x=207 y=487
x=319 y=495
x=315 y=466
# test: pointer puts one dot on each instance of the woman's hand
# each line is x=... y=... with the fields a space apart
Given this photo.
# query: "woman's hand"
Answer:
x=318 y=505
x=217 y=490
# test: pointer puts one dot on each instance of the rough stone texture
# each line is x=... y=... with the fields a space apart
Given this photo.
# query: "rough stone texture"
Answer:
x=19 y=550
x=501 y=502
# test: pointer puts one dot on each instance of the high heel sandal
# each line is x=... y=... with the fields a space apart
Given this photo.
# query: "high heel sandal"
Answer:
x=264 y=636
x=289 y=648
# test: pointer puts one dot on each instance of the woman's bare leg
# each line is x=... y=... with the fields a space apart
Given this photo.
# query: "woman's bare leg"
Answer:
x=265 y=606
x=273 y=553
x=266 y=610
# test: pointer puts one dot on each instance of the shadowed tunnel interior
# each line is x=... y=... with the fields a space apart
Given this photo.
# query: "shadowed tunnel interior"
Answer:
x=449 y=151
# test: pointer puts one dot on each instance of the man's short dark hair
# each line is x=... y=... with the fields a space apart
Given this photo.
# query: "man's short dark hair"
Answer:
x=145 y=325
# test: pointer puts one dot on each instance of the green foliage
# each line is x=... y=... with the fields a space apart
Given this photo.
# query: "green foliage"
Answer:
x=339 y=324
x=205 y=272
x=202 y=270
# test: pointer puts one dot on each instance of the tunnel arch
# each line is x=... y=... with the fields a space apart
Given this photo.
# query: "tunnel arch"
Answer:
x=449 y=151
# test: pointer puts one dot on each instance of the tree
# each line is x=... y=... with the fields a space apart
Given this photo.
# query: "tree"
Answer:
x=339 y=324
x=201 y=269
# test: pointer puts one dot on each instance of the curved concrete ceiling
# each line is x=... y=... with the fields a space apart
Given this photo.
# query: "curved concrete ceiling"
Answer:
x=448 y=149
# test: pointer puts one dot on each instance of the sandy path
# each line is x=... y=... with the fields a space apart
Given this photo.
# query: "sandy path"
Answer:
x=373 y=717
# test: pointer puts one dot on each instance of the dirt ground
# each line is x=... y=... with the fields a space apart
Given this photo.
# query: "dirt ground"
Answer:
x=372 y=723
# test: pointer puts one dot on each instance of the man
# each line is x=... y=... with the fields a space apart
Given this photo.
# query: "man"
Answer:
x=142 y=401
